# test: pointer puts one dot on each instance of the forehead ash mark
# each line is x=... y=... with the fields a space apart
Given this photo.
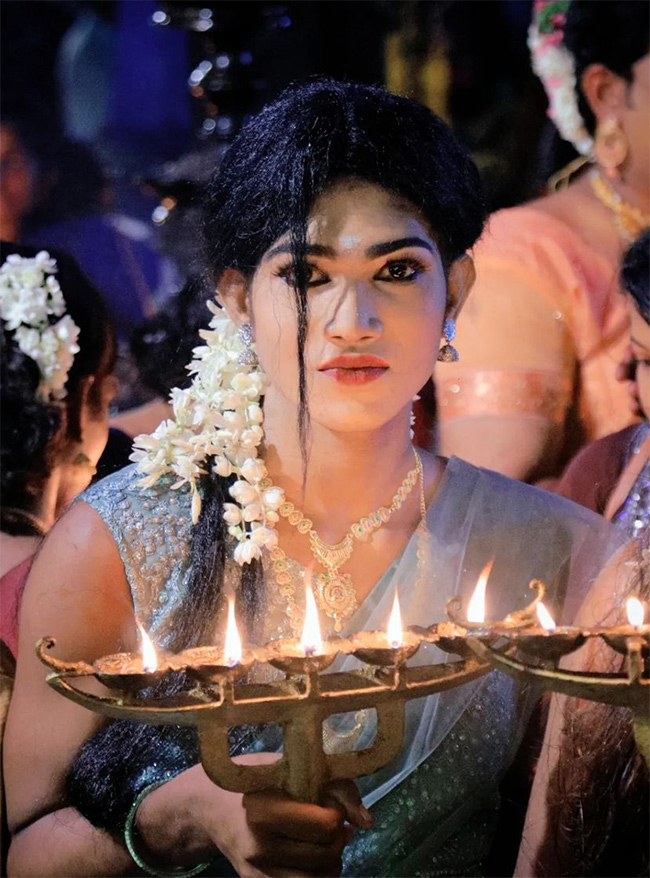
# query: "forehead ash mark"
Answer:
x=349 y=242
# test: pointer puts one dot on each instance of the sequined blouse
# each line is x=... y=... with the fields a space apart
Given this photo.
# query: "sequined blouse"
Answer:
x=436 y=806
x=634 y=515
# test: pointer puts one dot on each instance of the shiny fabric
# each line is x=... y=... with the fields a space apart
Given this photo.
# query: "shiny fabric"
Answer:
x=435 y=805
x=633 y=517
x=547 y=322
x=11 y=590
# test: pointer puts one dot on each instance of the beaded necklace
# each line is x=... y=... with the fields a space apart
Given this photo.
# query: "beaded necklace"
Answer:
x=629 y=221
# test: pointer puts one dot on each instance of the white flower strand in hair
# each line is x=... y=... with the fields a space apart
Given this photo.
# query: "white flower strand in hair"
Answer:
x=29 y=296
x=553 y=64
x=219 y=416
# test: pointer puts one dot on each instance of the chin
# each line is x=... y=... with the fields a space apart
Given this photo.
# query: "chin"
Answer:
x=351 y=418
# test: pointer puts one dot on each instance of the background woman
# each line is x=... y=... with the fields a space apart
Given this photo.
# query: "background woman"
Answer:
x=56 y=385
x=55 y=414
x=589 y=811
x=336 y=233
x=546 y=325
x=612 y=474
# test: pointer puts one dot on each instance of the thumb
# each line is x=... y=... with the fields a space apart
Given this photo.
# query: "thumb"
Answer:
x=344 y=796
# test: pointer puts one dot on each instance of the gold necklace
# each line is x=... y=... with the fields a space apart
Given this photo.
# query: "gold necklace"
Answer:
x=629 y=221
x=334 y=590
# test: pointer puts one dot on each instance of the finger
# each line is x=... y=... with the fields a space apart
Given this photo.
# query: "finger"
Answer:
x=273 y=814
x=344 y=794
x=279 y=853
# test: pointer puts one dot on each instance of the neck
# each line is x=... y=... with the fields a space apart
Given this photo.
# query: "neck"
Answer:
x=349 y=474
x=633 y=188
x=48 y=509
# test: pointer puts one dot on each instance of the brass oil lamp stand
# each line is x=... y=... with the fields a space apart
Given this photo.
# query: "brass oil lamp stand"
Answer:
x=300 y=701
x=530 y=645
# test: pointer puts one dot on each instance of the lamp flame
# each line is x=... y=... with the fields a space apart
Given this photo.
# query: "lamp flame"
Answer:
x=149 y=657
x=394 y=630
x=545 y=618
x=311 y=641
x=635 y=612
x=476 y=607
x=232 y=649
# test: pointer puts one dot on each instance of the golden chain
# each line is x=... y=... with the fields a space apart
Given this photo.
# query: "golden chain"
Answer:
x=334 y=590
x=629 y=221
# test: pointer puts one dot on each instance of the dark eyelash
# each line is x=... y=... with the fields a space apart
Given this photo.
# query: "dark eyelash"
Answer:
x=411 y=262
x=287 y=273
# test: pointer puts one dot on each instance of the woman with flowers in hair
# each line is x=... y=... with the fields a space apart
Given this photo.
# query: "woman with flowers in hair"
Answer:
x=56 y=385
x=336 y=231
x=58 y=354
x=547 y=323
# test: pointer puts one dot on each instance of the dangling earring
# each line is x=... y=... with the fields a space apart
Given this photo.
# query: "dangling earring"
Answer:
x=448 y=353
x=248 y=357
x=82 y=459
x=610 y=146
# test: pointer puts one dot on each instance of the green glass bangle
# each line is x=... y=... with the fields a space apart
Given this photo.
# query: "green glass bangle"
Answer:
x=130 y=829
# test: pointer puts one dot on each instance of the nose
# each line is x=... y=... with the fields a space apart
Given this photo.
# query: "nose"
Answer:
x=354 y=316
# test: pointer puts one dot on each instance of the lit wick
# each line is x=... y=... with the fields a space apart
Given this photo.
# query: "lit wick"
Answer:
x=545 y=618
x=310 y=641
x=232 y=649
x=476 y=607
x=635 y=612
x=394 y=630
x=149 y=657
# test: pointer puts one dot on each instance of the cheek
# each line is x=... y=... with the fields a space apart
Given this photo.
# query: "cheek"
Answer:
x=643 y=388
x=275 y=331
x=418 y=332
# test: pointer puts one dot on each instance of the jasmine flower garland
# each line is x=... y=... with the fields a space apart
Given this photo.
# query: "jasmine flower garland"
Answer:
x=554 y=65
x=29 y=296
x=218 y=423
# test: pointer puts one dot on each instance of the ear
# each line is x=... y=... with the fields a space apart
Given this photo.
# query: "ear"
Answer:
x=232 y=292
x=604 y=90
x=460 y=279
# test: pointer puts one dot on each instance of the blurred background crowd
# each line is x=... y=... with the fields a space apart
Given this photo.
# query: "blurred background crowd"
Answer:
x=115 y=113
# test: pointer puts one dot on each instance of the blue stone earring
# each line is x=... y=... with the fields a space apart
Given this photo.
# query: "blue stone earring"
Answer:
x=448 y=353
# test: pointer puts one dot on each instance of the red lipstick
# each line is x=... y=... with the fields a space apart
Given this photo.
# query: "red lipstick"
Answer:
x=354 y=368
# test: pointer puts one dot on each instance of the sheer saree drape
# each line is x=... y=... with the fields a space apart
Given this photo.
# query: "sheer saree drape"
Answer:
x=458 y=744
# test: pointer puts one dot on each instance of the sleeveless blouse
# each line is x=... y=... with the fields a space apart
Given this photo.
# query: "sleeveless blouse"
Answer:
x=436 y=805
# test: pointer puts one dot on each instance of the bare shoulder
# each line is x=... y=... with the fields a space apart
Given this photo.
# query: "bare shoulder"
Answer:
x=77 y=582
x=77 y=593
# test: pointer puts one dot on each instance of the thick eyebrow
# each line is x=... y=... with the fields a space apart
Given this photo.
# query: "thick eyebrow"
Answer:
x=390 y=246
x=310 y=250
x=373 y=252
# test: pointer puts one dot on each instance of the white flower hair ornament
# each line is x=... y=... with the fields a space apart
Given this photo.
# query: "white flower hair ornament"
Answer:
x=30 y=296
x=554 y=65
x=218 y=422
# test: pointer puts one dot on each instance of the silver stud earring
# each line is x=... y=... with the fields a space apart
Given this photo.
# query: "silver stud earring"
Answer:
x=247 y=357
x=448 y=353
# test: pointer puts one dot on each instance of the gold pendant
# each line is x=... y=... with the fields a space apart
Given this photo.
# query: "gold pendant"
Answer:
x=336 y=595
x=330 y=556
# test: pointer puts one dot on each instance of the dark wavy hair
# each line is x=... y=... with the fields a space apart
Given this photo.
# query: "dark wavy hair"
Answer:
x=635 y=274
x=33 y=433
x=598 y=798
x=313 y=135
x=610 y=32
x=287 y=155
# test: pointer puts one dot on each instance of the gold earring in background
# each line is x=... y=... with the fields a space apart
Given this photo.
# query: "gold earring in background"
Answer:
x=83 y=460
x=610 y=146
